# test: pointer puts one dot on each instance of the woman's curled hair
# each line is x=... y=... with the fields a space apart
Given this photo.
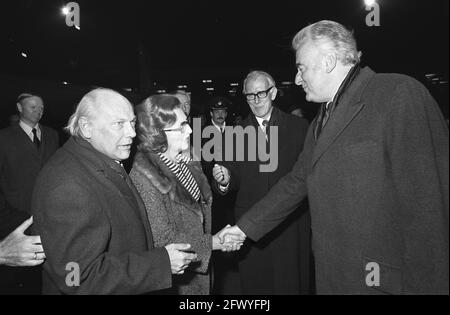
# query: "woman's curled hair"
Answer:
x=155 y=114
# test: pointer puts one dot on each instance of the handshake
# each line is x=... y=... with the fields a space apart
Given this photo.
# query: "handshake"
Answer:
x=230 y=238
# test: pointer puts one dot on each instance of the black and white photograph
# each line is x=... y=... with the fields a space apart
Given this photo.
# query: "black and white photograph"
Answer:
x=224 y=153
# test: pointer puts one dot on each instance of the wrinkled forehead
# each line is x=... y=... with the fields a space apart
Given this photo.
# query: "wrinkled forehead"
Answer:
x=113 y=106
x=259 y=83
x=310 y=49
x=32 y=101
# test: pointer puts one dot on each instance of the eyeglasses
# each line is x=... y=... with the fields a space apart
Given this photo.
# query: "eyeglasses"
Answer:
x=183 y=127
x=260 y=95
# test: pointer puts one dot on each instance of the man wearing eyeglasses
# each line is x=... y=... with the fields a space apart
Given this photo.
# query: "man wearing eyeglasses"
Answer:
x=375 y=169
x=278 y=263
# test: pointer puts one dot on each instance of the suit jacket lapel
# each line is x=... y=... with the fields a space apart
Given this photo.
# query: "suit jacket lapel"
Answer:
x=24 y=138
x=346 y=110
x=43 y=141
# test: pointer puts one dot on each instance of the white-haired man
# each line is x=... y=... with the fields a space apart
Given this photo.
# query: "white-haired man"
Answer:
x=92 y=222
x=278 y=263
x=375 y=169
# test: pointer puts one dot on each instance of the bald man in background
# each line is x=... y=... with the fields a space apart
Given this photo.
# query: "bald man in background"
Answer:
x=93 y=224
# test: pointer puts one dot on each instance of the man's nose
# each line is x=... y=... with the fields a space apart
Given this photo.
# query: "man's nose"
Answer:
x=189 y=129
x=130 y=132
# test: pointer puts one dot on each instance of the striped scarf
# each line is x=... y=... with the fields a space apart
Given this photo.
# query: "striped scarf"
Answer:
x=183 y=174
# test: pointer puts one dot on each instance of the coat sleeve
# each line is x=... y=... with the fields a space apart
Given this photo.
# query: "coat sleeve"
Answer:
x=417 y=146
x=74 y=229
x=164 y=229
x=275 y=207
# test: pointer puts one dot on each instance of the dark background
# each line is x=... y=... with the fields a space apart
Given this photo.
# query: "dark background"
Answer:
x=144 y=47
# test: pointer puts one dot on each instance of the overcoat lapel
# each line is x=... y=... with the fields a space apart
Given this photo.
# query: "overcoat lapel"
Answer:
x=340 y=119
x=25 y=139
x=346 y=111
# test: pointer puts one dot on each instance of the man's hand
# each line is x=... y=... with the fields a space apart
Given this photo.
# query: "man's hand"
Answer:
x=18 y=249
x=231 y=243
x=179 y=257
x=221 y=174
x=231 y=234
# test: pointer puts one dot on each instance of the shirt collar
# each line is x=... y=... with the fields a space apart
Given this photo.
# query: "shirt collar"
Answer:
x=218 y=126
x=260 y=120
x=28 y=130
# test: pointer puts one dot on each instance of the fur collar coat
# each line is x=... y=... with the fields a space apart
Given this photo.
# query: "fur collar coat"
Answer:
x=175 y=217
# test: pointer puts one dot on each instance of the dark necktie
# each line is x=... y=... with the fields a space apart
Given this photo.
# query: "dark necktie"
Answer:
x=322 y=119
x=36 y=141
x=266 y=128
x=326 y=111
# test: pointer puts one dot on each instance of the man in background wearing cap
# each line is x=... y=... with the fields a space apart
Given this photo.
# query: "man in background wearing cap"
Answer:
x=221 y=214
x=24 y=149
x=225 y=266
x=278 y=263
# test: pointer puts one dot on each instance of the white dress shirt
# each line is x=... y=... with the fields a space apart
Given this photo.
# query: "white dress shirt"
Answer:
x=260 y=122
x=29 y=130
x=220 y=128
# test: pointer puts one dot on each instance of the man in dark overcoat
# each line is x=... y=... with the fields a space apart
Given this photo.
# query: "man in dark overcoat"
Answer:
x=93 y=224
x=375 y=169
x=279 y=262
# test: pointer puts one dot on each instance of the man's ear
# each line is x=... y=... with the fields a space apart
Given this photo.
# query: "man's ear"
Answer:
x=273 y=93
x=330 y=61
x=19 y=107
x=85 y=127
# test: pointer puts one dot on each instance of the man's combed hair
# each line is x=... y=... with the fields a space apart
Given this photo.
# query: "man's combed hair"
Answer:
x=24 y=96
x=255 y=74
x=155 y=114
x=341 y=39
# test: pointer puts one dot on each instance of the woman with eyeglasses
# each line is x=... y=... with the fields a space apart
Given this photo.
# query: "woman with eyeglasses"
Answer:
x=174 y=189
